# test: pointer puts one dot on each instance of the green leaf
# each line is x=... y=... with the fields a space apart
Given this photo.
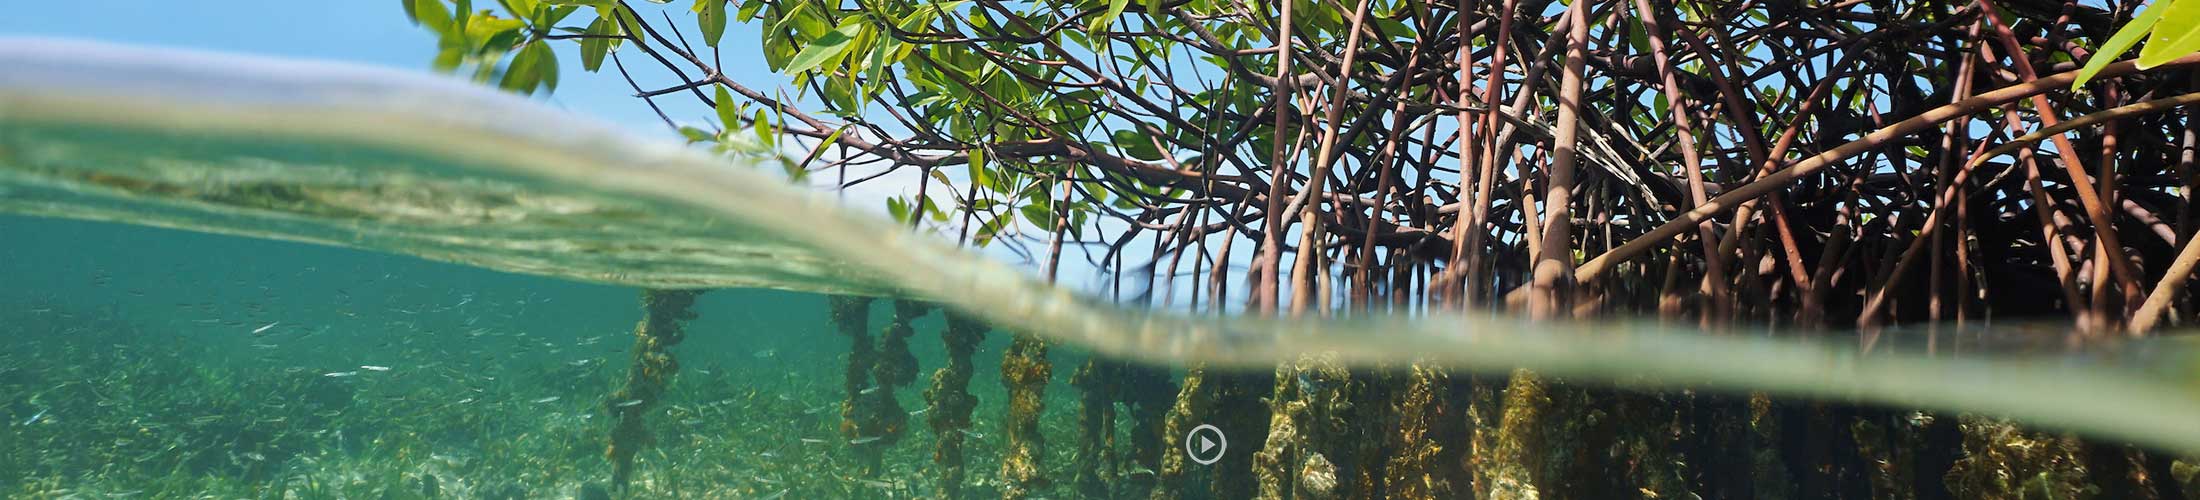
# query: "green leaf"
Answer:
x=2122 y=41
x=897 y=208
x=978 y=173
x=524 y=9
x=1136 y=145
x=463 y=10
x=694 y=135
x=1115 y=9
x=2176 y=35
x=711 y=15
x=549 y=62
x=429 y=13
x=825 y=47
x=764 y=129
x=593 y=50
x=1391 y=27
x=933 y=209
x=447 y=59
x=990 y=229
x=727 y=114
x=804 y=20
x=1037 y=215
x=748 y=10
x=794 y=171
x=525 y=73
x=821 y=145
x=551 y=16
x=488 y=31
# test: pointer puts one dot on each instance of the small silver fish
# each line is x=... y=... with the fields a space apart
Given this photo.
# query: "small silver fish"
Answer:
x=628 y=403
x=864 y=440
x=373 y=368
x=920 y=411
x=339 y=374
x=263 y=328
x=813 y=441
x=551 y=399
x=35 y=417
x=868 y=390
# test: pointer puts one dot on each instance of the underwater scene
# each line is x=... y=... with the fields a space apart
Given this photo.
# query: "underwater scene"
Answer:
x=228 y=275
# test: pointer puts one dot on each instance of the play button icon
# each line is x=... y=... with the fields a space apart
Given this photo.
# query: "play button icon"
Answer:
x=1205 y=444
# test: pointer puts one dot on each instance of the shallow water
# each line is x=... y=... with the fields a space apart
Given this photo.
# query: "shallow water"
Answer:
x=497 y=366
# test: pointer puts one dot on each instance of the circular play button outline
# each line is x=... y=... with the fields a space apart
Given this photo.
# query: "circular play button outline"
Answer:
x=1219 y=445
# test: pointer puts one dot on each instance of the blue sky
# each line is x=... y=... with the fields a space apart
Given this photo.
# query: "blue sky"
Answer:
x=363 y=31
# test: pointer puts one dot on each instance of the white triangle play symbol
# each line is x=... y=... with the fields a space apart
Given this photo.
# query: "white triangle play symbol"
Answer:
x=1205 y=444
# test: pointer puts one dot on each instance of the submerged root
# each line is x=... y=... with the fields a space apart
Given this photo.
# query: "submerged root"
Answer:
x=1025 y=372
x=863 y=414
x=1149 y=392
x=892 y=367
x=653 y=367
x=1305 y=421
x=1510 y=466
x=2004 y=461
x=1194 y=400
x=1099 y=386
x=1417 y=466
x=950 y=403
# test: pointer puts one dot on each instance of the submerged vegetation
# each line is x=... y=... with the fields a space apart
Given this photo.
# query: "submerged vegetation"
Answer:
x=469 y=401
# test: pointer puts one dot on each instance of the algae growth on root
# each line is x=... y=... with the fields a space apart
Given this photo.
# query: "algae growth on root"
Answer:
x=950 y=403
x=652 y=371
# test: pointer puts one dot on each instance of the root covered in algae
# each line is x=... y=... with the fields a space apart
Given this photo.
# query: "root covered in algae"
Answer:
x=2003 y=461
x=892 y=367
x=1149 y=393
x=1306 y=419
x=1510 y=465
x=870 y=416
x=1195 y=399
x=1230 y=402
x=653 y=367
x=1024 y=372
x=1098 y=383
x=1102 y=467
x=1426 y=442
x=950 y=403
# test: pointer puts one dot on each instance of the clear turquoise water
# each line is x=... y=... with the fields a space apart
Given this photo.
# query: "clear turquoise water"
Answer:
x=125 y=340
